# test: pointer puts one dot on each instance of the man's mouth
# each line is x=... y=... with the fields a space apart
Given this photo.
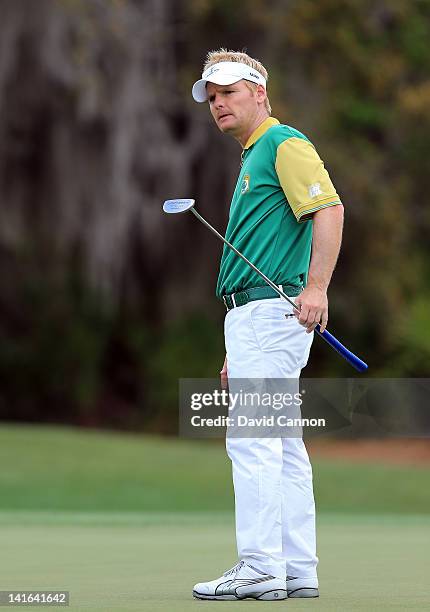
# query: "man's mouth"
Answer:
x=223 y=116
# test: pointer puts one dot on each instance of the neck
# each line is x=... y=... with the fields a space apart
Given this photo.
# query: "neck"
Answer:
x=258 y=120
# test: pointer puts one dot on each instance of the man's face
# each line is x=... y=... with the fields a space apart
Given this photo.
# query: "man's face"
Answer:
x=234 y=107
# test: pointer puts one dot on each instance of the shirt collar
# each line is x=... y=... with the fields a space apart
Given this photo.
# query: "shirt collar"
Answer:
x=262 y=129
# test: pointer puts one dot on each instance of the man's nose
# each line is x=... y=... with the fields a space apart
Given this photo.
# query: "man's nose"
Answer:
x=218 y=102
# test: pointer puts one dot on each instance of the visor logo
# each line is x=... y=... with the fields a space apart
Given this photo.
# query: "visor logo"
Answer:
x=211 y=71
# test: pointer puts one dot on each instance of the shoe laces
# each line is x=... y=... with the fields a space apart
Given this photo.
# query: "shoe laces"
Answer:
x=234 y=569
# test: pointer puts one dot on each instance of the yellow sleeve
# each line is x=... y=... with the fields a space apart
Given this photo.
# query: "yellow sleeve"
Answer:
x=303 y=178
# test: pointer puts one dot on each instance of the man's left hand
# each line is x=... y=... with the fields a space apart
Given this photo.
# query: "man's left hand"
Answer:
x=313 y=306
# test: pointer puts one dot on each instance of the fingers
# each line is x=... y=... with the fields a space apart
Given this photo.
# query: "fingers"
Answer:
x=324 y=321
x=312 y=321
x=313 y=306
x=310 y=325
x=304 y=315
x=310 y=318
x=224 y=375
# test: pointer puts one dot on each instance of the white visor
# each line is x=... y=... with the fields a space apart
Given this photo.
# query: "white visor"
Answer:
x=225 y=73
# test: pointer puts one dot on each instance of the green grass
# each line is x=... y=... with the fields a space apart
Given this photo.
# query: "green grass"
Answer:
x=132 y=563
x=130 y=522
x=64 y=469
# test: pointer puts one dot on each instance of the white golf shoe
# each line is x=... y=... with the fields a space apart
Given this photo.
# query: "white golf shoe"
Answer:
x=302 y=587
x=242 y=582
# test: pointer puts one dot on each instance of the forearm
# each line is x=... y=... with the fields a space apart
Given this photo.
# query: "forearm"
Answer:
x=326 y=241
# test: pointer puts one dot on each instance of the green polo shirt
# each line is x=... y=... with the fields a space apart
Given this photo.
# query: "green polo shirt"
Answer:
x=282 y=182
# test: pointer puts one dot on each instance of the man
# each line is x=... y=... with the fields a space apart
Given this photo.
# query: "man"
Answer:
x=287 y=218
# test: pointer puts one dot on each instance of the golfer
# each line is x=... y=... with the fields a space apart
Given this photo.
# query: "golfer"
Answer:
x=287 y=218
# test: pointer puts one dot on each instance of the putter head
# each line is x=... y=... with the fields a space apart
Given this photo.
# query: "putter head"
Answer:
x=178 y=206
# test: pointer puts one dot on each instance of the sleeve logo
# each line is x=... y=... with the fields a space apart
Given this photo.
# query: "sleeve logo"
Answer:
x=314 y=190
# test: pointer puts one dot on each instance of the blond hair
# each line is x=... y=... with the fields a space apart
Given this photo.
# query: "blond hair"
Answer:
x=223 y=55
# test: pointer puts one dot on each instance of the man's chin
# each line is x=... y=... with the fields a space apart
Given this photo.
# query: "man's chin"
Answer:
x=228 y=128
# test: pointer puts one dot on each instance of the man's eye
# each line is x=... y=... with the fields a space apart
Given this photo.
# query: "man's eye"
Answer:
x=211 y=99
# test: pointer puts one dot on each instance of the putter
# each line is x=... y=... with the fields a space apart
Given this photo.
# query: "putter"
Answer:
x=183 y=205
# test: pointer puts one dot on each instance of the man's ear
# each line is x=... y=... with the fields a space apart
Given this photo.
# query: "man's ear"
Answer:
x=261 y=93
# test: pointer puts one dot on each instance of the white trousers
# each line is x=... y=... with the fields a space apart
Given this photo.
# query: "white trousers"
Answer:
x=272 y=477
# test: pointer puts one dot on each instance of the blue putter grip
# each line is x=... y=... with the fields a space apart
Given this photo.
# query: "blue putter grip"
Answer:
x=355 y=361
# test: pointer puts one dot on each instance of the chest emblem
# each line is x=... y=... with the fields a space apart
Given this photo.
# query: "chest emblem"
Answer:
x=245 y=184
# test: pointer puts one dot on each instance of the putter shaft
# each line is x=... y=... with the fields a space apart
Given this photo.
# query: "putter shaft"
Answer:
x=250 y=264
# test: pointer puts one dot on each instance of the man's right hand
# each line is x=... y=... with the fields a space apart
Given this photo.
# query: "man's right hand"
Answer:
x=223 y=375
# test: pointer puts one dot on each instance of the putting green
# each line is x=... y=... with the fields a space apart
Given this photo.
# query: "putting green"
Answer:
x=85 y=511
x=130 y=561
x=68 y=469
